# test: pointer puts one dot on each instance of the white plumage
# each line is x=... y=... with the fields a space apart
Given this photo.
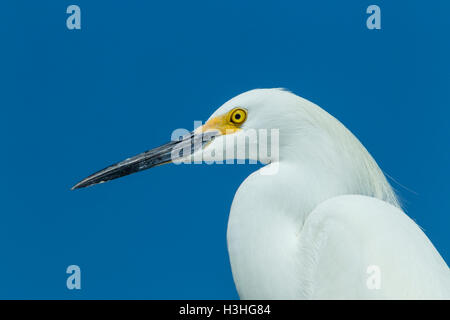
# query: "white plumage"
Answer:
x=312 y=230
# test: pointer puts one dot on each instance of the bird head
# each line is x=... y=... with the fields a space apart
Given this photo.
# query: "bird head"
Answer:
x=244 y=128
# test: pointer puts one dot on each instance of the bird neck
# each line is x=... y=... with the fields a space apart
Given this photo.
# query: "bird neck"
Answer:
x=267 y=218
x=324 y=153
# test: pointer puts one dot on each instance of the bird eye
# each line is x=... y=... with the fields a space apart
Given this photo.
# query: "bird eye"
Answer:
x=238 y=116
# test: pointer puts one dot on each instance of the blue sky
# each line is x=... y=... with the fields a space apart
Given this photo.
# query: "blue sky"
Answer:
x=75 y=101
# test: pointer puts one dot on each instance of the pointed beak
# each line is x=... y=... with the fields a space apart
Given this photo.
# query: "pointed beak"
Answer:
x=169 y=152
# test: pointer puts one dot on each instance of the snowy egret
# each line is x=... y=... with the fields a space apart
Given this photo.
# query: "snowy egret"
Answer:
x=325 y=225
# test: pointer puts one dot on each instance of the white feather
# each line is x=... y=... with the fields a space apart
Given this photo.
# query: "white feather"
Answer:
x=312 y=230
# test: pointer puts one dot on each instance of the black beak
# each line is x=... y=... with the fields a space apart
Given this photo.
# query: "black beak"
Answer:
x=169 y=152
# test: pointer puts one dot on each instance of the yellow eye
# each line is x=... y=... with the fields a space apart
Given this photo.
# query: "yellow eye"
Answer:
x=238 y=115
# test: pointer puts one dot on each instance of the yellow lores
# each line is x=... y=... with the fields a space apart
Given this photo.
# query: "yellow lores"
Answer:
x=227 y=123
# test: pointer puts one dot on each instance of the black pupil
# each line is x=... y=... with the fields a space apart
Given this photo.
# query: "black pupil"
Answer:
x=237 y=116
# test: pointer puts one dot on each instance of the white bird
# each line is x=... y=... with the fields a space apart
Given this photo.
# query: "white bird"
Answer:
x=325 y=224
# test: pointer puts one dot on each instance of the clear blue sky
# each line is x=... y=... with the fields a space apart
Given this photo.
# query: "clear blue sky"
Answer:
x=73 y=102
